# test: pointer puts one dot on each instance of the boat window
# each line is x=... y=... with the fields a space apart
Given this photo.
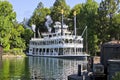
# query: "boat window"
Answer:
x=38 y=43
x=50 y=36
x=30 y=49
x=50 y=42
x=55 y=41
x=47 y=50
x=66 y=40
x=62 y=41
x=31 y=43
x=36 y=49
x=80 y=41
x=80 y=49
x=46 y=42
x=35 y=43
x=43 y=42
x=33 y=50
x=59 y=41
x=66 y=34
x=44 y=50
x=59 y=34
x=39 y=50
x=70 y=40
x=54 y=34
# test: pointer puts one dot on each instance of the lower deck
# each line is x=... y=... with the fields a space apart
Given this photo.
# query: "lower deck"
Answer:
x=77 y=57
x=55 y=51
x=58 y=52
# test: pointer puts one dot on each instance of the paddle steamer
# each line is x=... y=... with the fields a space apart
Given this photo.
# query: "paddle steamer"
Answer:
x=60 y=43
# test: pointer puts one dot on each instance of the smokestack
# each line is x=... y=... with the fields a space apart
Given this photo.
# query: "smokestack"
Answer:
x=33 y=29
x=48 y=22
x=74 y=23
x=62 y=22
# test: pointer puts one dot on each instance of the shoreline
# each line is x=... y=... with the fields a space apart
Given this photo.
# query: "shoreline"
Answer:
x=13 y=56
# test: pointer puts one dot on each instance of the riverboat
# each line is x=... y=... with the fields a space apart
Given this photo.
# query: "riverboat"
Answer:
x=60 y=43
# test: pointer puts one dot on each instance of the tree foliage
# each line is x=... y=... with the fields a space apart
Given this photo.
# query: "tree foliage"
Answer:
x=10 y=30
x=87 y=17
x=76 y=8
x=38 y=18
x=7 y=16
x=56 y=10
x=26 y=36
x=107 y=11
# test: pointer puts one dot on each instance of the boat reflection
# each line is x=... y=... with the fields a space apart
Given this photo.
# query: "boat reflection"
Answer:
x=45 y=68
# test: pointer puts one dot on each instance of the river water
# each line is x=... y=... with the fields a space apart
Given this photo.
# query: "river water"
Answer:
x=38 y=68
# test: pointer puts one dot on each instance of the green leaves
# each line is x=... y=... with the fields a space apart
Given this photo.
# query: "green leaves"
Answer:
x=108 y=19
x=26 y=36
x=10 y=30
x=117 y=76
x=56 y=10
x=38 y=18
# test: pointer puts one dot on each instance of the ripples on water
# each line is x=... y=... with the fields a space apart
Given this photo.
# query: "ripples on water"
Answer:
x=38 y=68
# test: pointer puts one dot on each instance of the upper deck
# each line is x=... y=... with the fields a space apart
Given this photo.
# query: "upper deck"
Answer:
x=52 y=36
x=57 y=34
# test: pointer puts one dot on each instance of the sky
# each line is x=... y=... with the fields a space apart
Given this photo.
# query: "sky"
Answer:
x=25 y=8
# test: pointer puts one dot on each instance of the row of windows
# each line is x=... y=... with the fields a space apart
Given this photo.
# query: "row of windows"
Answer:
x=56 y=50
x=56 y=42
x=53 y=35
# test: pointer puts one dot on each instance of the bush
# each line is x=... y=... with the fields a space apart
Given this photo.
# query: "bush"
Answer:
x=14 y=51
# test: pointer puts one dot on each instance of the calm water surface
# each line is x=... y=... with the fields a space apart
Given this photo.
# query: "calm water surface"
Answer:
x=38 y=68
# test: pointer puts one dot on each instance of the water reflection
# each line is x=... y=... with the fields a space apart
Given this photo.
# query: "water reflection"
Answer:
x=38 y=68
x=14 y=69
x=53 y=68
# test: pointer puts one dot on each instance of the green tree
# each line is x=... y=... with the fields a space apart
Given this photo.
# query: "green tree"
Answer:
x=87 y=17
x=16 y=40
x=10 y=30
x=116 y=27
x=26 y=35
x=38 y=18
x=7 y=16
x=56 y=10
x=107 y=10
x=76 y=8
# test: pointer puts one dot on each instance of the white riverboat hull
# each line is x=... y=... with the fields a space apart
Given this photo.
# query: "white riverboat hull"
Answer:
x=81 y=56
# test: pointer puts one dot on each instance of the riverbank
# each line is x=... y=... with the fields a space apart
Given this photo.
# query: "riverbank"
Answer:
x=13 y=56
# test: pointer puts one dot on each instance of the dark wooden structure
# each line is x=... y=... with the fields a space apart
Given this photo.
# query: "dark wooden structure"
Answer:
x=110 y=50
x=114 y=66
